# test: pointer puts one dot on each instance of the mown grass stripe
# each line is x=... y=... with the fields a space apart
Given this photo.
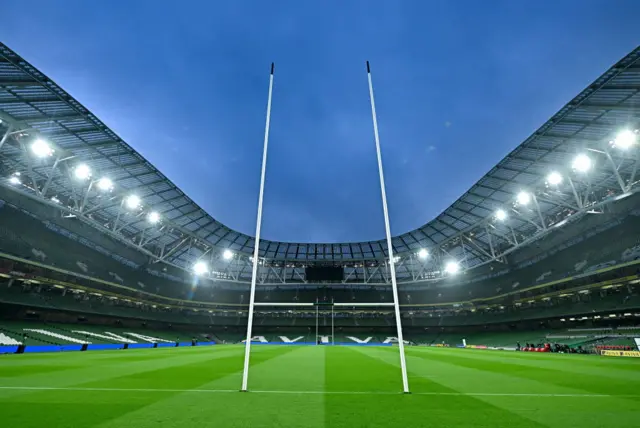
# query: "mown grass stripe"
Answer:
x=328 y=392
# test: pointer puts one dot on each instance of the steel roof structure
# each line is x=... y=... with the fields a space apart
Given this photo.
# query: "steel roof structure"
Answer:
x=32 y=106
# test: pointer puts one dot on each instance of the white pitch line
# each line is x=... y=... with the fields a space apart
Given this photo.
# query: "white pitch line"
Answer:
x=230 y=391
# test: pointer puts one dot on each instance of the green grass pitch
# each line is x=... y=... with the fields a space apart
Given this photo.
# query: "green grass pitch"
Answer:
x=317 y=386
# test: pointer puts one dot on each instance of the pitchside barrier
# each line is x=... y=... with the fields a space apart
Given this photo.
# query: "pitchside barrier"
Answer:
x=635 y=354
x=23 y=349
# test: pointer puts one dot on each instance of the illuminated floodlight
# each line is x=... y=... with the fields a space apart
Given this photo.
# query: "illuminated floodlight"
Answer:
x=501 y=215
x=452 y=268
x=523 y=198
x=105 y=184
x=153 y=217
x=200 y=268
x=227 y=254
x=55 y=199
x=625 y=139
x=41 y=148
x=14 y=179
x=554 y=178
x=423 y=253
x=82 y=171
x=132 y=202
x=581 y=163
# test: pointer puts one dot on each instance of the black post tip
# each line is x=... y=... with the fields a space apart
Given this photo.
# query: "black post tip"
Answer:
x=272 y=67
x=368 y=68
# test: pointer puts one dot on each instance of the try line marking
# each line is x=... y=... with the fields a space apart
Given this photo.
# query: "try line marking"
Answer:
x=233 y=391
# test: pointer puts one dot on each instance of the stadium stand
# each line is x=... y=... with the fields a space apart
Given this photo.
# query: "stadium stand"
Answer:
x=79 y=270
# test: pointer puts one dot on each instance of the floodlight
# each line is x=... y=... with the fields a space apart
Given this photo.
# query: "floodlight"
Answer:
x=423 y=253
x=581 y=163
x=524 y=198
x=452 y=268
x=625 y=139
x=105 y=184
x=55 y=199
x=14 y=179
x=200 y=268
x=132 y=202
x=153 y=217
x=554 y=178
x=82 y=171
x=227 y=254
x=501 y=215
x=41 y=148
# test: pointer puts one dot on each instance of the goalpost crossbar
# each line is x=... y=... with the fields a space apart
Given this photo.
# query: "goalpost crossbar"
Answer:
x=282 y=304
x=362 y=304
x=342 y=304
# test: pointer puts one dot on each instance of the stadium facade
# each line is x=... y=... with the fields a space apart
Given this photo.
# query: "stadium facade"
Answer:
x=549 y=235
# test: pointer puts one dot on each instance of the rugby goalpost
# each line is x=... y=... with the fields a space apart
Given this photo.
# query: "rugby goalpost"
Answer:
x=392 y=269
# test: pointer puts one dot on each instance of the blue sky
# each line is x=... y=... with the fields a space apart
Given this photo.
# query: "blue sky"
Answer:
x=459 y=84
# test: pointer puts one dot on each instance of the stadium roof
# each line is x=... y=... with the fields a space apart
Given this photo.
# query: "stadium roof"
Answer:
x=485 y=224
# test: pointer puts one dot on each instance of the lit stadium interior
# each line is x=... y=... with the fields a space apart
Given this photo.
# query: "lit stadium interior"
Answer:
x=518 y=304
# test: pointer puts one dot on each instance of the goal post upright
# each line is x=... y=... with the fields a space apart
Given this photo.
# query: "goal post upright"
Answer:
x=392 y=267
x=256 y=249
x=333 y=336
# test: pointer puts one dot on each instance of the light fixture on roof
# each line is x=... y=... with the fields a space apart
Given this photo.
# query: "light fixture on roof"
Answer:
x=452 y=268
x=625 y=139
x=523 y=198
x=423 y=253
x=501 y=215
x=200 y=268
x=82 y=171
x=554 y=178
x=153 y=217
x=132 y=202
x=14 y=179
x=55 y=199
x=105 y=184
x=41 y=148
x=227 y=254
x=581 y=163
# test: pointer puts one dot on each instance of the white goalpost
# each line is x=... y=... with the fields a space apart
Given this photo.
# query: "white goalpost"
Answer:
x=256 y=249
x=394 y=285
x=392 y=263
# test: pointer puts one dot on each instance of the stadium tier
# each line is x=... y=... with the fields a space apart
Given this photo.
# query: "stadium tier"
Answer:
x=585 y=262
x=36 y=333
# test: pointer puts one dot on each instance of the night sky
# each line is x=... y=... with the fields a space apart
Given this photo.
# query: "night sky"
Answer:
x=459 y=84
